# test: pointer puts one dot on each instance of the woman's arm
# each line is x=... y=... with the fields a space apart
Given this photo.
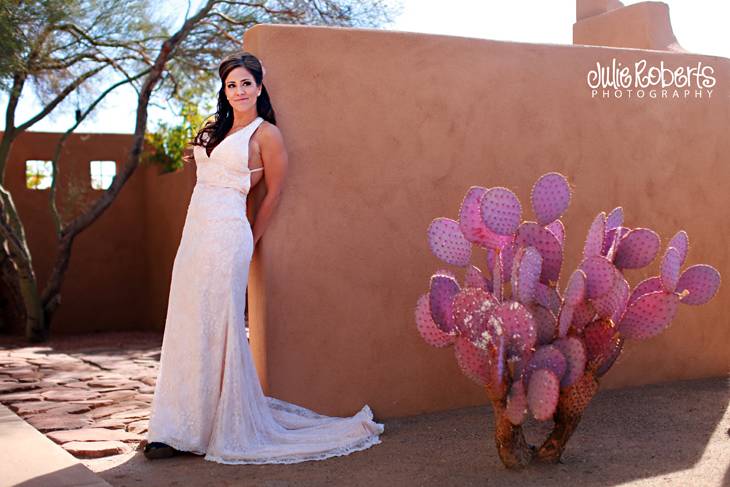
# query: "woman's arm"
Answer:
x=275 y=161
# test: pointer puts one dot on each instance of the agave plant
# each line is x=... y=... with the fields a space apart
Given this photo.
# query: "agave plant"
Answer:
x=534 y=349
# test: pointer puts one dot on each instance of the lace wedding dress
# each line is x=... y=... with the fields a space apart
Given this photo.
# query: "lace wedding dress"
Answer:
x=208 y=399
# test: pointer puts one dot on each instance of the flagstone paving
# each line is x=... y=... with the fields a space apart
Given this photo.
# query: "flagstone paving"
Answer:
x=92 y=396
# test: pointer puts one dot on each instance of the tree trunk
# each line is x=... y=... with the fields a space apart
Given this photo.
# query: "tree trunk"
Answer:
x=52 y=292
x=35 y=325
x=12 y=309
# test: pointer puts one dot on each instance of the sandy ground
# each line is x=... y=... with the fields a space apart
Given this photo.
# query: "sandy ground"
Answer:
x=669 y=434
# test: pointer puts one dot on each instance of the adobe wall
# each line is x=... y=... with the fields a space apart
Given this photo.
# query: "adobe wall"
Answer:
x=387 y=131
x=644 y=25
x=105 y=287
x=167 y=198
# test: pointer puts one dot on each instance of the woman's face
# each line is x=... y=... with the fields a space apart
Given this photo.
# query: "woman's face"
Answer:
x=241 y=90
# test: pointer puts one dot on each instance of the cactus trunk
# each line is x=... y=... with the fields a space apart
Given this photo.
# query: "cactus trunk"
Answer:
x=513 y=449
x=573 y=402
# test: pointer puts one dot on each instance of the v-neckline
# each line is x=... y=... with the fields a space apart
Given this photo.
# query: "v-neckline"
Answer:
x=228 y=136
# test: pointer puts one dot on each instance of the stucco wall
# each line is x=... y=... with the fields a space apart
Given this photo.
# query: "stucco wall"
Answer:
x=644 y=25
x=105 y=287
x=387 y=131
x=167 y=198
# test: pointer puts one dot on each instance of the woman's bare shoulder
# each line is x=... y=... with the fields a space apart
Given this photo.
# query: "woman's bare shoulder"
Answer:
x=268 y=133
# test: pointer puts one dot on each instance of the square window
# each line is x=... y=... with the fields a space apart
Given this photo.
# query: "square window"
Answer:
x=102 y=173
x=38 y=174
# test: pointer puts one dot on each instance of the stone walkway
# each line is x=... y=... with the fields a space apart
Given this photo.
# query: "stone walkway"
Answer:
x=94 y=401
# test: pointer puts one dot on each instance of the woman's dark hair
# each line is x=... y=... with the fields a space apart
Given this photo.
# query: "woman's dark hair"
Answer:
x=216 y=129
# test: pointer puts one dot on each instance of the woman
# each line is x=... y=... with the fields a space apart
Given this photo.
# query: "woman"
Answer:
x=208 y=399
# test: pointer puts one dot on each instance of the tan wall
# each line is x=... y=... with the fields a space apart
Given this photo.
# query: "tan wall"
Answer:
x=644 y=25
x=168 y=196
x=106 y=283
x=386 y=131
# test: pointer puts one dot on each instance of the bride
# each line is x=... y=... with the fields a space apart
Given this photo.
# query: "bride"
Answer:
x=208 y=399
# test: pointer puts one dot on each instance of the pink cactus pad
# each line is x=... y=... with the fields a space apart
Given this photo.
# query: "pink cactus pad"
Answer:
x=448 y=243
x=701 y=280
x=608 y=240
x=616 y=346
x=501 y=211
x=637 y=249
x=575 y=353
x=526 y=269
x=472 y=224
x=623 y=298
x=488 y=334
x=547 y=357
x=516 y=409
x=670 y=267
x=545 y=322
x=543 y=392
x=576 y=288
x=615 y=218
x=611 y=241
x=471 y=308
x=550 y=197
x=473 y=277
x=445 y=272
x=548 y=297
x=441 y=295
x=565 y=318
x=490 y=255
x=519 y=329
x=649 y=285
x=596 y=233
x=649 y=315
x=497 y=279
x=582 y=315
x=507 y=255
x=558 y=229
x=427 y=327
x=530 y=234
x=680 y=241
x=598 y=337
x=613 y=302
x=473 y=361
x=601 y=276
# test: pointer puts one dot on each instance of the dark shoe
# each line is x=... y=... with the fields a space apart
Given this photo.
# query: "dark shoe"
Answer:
x=157 y=450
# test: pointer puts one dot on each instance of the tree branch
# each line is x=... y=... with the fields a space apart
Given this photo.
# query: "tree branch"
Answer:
x=61 y=141
x=60 y=97
x=81 y=222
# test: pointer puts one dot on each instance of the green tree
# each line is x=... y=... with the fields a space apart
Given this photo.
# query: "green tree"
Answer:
x=58 y=47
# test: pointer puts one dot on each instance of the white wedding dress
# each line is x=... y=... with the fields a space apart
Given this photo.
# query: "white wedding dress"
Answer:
x=208 y=399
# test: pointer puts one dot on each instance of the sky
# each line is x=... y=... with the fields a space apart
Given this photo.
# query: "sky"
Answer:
x=699 y=25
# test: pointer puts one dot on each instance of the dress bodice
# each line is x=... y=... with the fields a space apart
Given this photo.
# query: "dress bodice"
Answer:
x=227 y=165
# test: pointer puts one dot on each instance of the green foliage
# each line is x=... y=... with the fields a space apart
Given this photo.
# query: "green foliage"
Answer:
x=168 y=145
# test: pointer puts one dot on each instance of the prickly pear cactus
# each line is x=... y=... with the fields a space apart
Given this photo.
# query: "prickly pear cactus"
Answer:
x=534 y=349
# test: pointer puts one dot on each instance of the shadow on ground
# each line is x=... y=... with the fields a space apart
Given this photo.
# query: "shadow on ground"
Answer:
x=674 y=432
